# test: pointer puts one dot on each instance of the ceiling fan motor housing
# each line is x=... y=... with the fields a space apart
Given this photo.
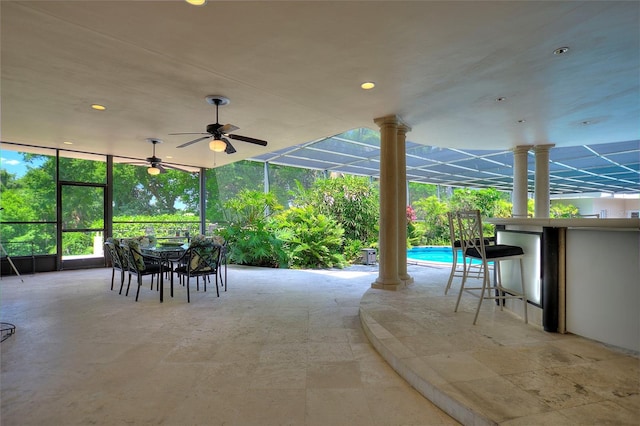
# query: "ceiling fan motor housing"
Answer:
x=213 y=128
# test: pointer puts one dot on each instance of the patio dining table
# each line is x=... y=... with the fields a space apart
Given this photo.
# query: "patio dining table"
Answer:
x=168 y=253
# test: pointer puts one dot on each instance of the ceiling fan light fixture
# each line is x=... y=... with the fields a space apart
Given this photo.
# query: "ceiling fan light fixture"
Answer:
x=153 y=171
x=196 y=2
x=217 y=145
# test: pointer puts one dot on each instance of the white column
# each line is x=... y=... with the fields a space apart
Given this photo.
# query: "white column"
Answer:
x=388 y=278
x=401 y=173
x=520 y=191
x=542 y=202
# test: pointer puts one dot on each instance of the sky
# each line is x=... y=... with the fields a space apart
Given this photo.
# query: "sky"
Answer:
x=11 y=161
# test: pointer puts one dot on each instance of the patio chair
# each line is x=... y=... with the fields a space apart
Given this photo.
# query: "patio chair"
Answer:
x=476 y=247
x=141 y=265
x=224 y=251
x=117 y=263
x=200 y=260
x=123 y=252
x=222 y=264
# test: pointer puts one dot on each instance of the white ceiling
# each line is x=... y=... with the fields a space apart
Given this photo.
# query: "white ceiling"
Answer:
x=292 y=71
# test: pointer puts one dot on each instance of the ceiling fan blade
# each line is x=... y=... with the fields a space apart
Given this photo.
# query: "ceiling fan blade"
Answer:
x=228 y=128
x=194 y=141
x=167 y=166
x=162 y=169
x=229 y=149
x=248 y=139
x=135 y=163
x=189 y=133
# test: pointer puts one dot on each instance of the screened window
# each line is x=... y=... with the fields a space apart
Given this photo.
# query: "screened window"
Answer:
x=28 y=201
x=166 y=204
x=225 y=182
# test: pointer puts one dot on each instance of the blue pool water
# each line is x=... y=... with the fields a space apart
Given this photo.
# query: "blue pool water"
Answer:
x=430 y=254
x=440 y=254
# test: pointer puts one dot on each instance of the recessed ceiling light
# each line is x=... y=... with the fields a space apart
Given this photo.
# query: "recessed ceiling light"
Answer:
x=196 y=2
x=501 y=99
x=98 y=107
x=368 y=85
x=522 y=120
x=168 y=156
x=67 y=143
x=561 y=50
x=586 y=122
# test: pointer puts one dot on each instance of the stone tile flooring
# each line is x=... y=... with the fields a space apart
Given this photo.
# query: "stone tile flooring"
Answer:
x=286 y=347
x=280 y=347
x=500 y=371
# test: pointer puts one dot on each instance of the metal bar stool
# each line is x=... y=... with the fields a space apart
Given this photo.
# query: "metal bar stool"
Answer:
x=474 y=246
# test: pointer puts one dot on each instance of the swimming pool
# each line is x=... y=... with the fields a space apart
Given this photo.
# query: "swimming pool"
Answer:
x=440 y=254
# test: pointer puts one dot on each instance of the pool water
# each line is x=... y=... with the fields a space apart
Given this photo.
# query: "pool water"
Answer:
x=440 y=254
x=430 y=254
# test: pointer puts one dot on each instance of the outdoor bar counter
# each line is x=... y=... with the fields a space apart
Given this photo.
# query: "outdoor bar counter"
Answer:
x=582 y=275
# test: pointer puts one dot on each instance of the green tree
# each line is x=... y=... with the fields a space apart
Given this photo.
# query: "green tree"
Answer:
x=137 y=192
x=226 y=182
x=352 y=201
x=487 y=200
x=418 y=191
x=561 y=210
x=282 y=181
x=434 y=225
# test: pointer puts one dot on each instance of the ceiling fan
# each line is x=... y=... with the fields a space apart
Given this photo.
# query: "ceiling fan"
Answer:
x=155 y=164
x=219 y=132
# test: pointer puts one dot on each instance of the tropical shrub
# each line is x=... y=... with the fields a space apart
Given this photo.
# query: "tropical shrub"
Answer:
x=352 y=201
x=414 y=235
x=77 y=243
x=352 y=250
x=312 y=239
x=254 y=245
x=252 y=241
x=251 y=207
x=160 y=225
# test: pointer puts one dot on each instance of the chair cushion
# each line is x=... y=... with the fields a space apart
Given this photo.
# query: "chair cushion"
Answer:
x=202 y=263
x=137 y=256
x=122 y=254
x=495 y=251
x=183 y=270
x=487 y=241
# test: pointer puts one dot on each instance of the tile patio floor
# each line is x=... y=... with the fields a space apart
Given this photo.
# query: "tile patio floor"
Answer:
x=286 y=347
x=280 y=347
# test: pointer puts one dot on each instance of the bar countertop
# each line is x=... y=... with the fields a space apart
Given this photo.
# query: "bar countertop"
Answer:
x=593 y=223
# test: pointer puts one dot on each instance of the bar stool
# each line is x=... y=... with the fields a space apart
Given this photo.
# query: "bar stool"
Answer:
x=474 y=246
x=467 y=268
x=457 y=271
